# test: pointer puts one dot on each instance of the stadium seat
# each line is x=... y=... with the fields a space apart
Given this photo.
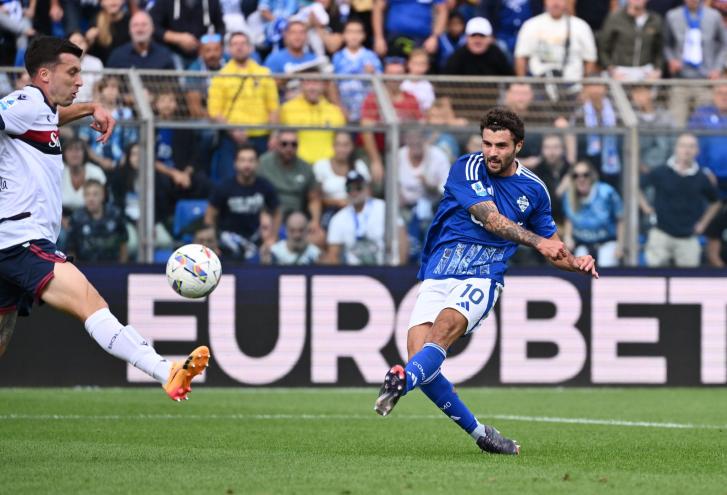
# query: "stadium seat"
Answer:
x=188 y=216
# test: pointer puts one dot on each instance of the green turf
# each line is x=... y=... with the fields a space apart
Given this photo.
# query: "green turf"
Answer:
x=238 y=441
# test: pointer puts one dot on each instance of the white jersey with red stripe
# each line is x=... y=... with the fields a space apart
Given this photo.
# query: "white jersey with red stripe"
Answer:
x=31 y=167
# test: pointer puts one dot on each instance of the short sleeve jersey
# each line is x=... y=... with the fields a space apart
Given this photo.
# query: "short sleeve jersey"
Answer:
x=240 y=205
x=31 y=167
x=457 y=245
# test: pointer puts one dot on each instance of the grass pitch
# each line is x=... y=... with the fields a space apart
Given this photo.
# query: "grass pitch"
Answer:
x=245 y=441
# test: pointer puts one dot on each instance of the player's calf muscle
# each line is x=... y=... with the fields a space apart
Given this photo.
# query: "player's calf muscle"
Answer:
x=7 y=326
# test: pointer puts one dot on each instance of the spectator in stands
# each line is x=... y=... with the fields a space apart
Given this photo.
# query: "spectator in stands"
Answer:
x=407 y=109
x=311 y=108
x=76 y=171
x=721 y=7
x=211 y=58
x=594 y=13
x=97 y=231
x=325 y=26
x=480 y=56
x=602 y=150
x=661 y=7
x=235 y=207
x=695 y=47
x=16 y=24
x=354 y=59
x=331 y=175
x=207 y=236
x=442 y=114
x=685 y=202
x=631 y=43
x=295 y=249
x=295 y=54
x=91 y=68
x=275 y=13
x=556 y=44
x=108 y=155
x=401 y=25
x=180 y=168
x=110 y=29
x=553 y=169
x=124 y=183
x=423 y=170
x=77 y=14
x=520 y=98
x=655 y=149
x=251 y=98
x=474 y=144
x=508 y=16
x=593 y=217
x=716 y=233
x=713 y=151
x=356 y=232
x=423 y=91
x=293 y=180
x=142 y=52
x=451 y=39
x=180 y=24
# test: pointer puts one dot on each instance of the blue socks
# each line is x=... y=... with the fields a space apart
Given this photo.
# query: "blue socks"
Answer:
x=423 y=370
x=424 y=366
x=441 y=392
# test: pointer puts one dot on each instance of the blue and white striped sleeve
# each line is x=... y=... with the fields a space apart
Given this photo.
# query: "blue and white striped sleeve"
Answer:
x=468 y=182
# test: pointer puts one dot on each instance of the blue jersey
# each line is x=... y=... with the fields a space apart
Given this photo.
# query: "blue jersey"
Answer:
x=457 y=245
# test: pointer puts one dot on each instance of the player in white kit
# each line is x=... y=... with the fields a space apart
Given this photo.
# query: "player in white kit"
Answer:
x=32 y=269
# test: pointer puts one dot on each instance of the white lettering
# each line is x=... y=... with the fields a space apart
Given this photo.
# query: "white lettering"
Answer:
x=226 y=352
x=711 y=295
x=143 y=291
x=608 y=330
x=328 y=343
x=517 y=330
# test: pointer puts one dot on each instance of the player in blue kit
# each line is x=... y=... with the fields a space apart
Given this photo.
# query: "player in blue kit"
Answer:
x=491 y=204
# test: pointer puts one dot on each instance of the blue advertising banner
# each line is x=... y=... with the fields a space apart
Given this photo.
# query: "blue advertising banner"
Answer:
x=343 y=326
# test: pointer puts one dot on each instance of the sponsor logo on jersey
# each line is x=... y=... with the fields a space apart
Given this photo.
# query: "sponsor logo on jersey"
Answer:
x=6 y=103
x=479 y=189
x=523 y=203
x=3 y=184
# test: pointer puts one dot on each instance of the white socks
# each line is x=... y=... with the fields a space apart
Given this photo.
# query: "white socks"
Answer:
x=478 y=432
x=125 y=343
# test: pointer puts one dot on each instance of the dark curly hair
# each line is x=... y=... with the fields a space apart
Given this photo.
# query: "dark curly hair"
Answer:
x=502 y=119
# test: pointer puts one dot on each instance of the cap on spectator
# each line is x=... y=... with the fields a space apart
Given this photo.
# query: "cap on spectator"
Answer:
x=211 y=38
x=478 y=25
x=353 y=177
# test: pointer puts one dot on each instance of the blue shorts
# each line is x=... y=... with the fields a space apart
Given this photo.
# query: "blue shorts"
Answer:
x=25 y=270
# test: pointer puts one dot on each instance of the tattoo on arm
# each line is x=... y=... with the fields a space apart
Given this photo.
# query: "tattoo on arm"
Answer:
x=491 y=219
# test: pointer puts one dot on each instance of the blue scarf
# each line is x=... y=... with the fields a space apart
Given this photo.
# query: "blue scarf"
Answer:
x=607 y=145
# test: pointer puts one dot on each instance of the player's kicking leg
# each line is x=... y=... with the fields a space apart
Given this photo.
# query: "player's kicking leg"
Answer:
x=7 y=326
x=70 y=291
x=427 y=344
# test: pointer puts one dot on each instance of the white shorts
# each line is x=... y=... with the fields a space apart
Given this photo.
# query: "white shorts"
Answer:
x=474 y=298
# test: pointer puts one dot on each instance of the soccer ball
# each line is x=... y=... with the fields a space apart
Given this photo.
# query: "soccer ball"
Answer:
x=193 y=271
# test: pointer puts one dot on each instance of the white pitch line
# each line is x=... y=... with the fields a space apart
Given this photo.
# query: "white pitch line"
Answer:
x=324 y=417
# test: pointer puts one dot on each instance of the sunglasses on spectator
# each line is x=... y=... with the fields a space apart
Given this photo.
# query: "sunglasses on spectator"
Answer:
x=289 y=144
x=584 y=175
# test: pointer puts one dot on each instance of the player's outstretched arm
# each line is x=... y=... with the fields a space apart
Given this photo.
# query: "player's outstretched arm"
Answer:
x=582 y=264
x=103 y=122
x=487 y=213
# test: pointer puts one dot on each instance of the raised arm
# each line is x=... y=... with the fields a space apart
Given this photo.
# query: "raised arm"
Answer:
x=487 y=214
x=103 y=122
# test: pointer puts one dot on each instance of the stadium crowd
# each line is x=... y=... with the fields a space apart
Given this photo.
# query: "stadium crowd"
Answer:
x=313 y=196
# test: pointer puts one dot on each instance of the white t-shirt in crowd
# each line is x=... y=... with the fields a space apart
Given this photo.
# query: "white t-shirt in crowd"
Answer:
x=423 y=91
x=542 y=40
x=73 y=198
x=361 y=234
x=284 y=256
x=433 y=171
x=333 y=186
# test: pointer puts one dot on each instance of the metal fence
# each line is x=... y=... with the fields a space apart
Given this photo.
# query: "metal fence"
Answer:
x=642 y=118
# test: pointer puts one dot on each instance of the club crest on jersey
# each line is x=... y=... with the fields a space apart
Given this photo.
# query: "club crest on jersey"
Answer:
x=523 y=203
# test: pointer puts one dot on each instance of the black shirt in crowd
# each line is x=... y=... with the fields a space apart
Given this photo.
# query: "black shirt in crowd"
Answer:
x=491 y=63
x=97 y=240
x=239 y=206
